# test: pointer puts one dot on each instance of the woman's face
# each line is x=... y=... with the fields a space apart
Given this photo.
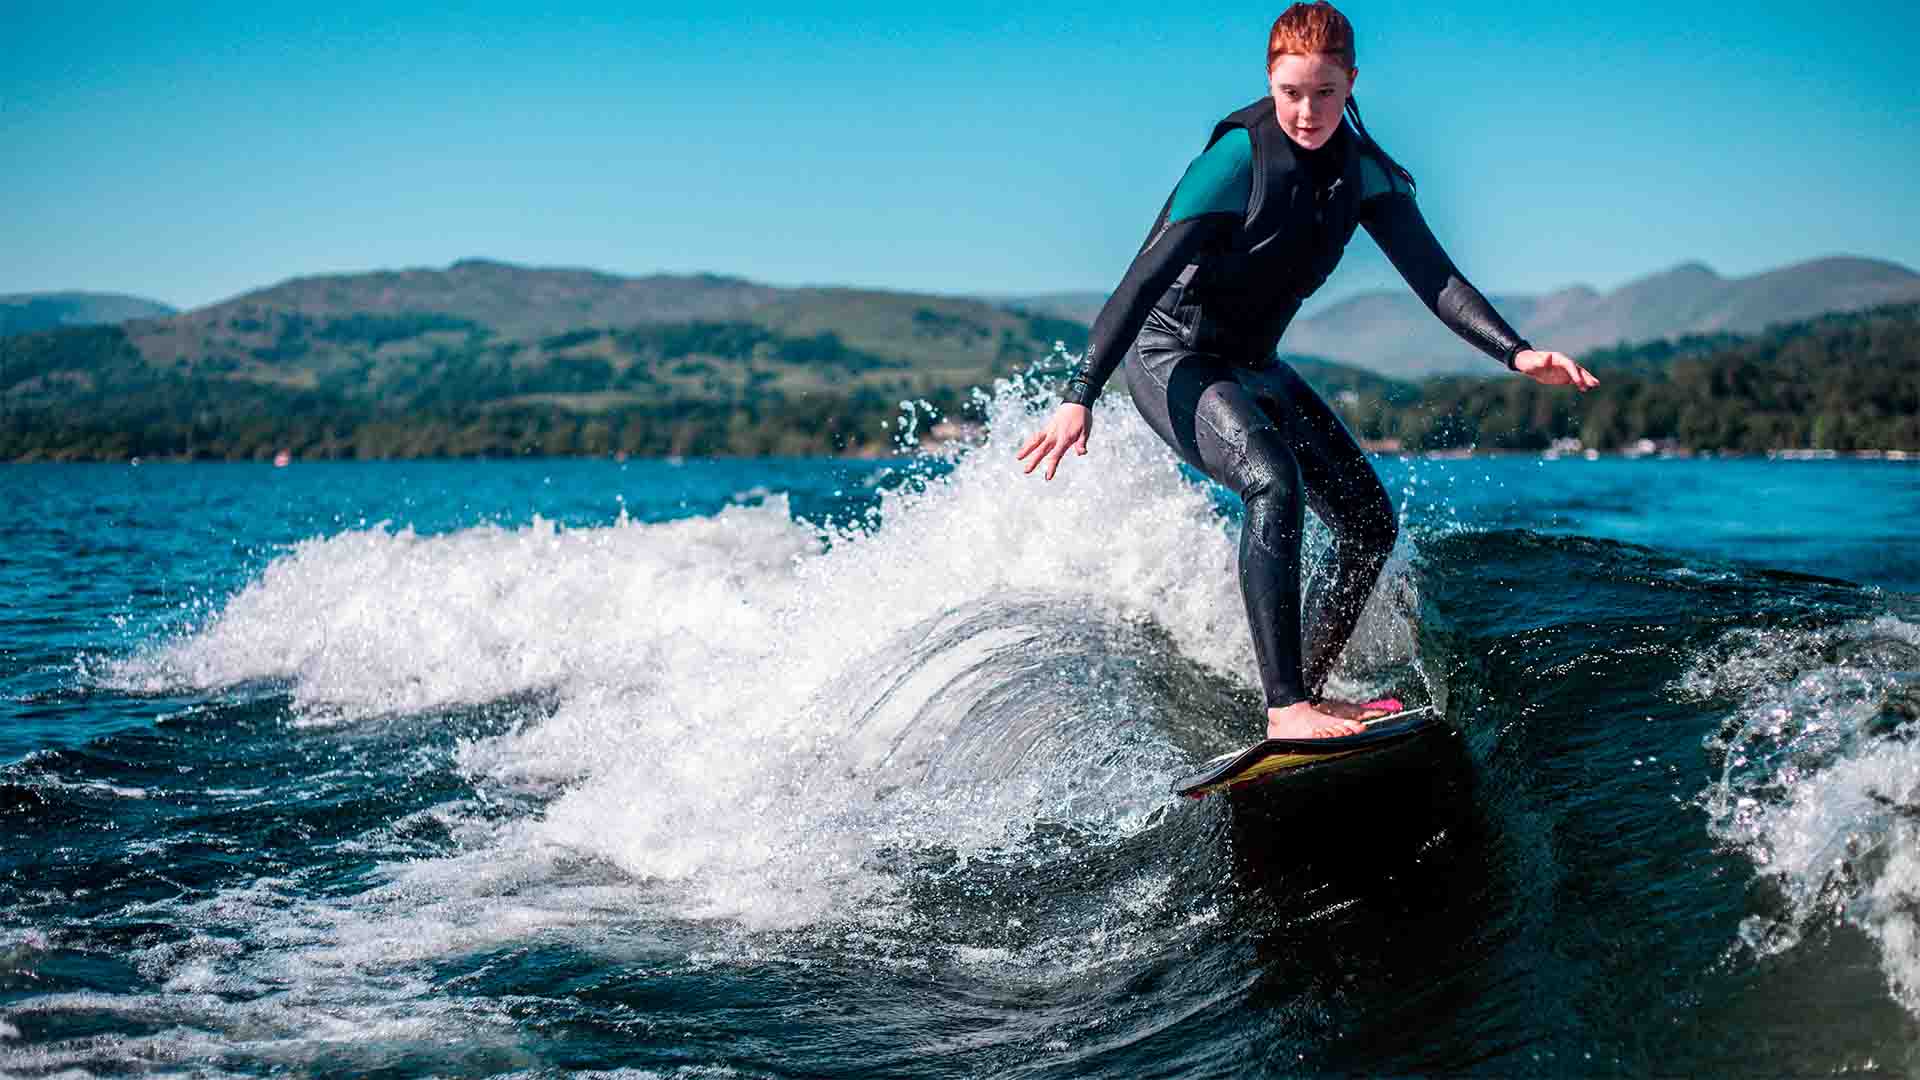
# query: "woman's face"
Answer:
x=1309 y=90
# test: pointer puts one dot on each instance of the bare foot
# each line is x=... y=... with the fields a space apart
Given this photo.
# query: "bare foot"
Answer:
x=1301 y=720
x=1349 y=710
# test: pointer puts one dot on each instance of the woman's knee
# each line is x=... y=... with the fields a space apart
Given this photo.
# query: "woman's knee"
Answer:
x=1270 y=469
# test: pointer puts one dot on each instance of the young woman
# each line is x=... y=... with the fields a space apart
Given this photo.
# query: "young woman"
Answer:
x=1253 y=228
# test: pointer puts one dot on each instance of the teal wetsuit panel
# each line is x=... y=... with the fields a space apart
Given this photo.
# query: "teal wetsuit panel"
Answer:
x=1218 y=182
x=1376 y=180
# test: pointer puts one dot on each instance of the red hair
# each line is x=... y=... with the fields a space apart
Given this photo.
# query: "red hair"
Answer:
x=1311 y=28
x=1318 y=27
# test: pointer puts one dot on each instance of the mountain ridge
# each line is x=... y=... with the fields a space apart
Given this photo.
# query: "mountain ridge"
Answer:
x=1392 y=333
x=1387 y=332
x=24 y=312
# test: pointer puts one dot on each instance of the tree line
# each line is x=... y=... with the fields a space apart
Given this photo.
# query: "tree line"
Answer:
x=1838 y=382
x=1841 y=382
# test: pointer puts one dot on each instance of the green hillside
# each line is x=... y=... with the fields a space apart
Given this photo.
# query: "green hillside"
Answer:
x=1839 y=382
x=23 y=312
x=342 y=367
x=799 y=371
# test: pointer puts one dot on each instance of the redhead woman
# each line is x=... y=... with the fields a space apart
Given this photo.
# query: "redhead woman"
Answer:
x=1255 y=225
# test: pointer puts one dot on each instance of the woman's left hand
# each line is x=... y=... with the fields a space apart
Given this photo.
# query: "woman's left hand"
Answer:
x=1553 y=369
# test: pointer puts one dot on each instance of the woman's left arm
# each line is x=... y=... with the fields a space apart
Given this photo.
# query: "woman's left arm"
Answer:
x=1395 y=223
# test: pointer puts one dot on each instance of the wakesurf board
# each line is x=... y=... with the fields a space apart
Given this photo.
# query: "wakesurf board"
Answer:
x=1271 y=757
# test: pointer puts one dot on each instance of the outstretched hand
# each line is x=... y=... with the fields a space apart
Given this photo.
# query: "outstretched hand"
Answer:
x=1553 y=369
x=1067 y=427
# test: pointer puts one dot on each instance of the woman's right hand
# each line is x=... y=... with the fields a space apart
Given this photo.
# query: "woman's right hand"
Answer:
x=1067 y=427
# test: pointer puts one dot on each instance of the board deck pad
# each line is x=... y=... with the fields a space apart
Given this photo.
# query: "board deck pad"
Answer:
x=1270 y=756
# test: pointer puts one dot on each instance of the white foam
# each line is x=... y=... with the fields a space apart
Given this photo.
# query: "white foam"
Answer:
x=49 y=780
x=749 y=716
x=288 y=1030
x=383 y=620
x=1814 y=791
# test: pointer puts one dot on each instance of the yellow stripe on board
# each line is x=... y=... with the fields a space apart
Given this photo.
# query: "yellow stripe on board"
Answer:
x=1269 y=765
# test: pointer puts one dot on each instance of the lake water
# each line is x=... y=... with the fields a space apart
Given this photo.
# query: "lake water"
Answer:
x=832 y=768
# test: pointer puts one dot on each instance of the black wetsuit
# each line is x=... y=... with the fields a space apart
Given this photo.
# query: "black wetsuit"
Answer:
x=1253 y=228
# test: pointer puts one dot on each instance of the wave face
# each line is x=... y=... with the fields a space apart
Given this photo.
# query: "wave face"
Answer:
x=1820 y=782
x=752 y=769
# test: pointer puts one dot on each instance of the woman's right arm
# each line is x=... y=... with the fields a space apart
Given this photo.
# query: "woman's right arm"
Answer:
x=1206 y=206
x=1167 y=252
x=1209 y=202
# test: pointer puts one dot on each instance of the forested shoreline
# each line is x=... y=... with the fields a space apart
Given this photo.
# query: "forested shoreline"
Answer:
x=1845 y=382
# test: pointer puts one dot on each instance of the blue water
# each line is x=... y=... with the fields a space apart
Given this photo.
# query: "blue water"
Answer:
x=832 y=768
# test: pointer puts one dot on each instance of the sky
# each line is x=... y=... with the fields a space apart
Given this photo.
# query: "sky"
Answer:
x=189 y=153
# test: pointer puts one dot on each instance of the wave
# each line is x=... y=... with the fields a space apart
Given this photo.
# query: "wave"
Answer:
x=1820 y=782
x=746 y=706
x=941 y=733
x=935 y=740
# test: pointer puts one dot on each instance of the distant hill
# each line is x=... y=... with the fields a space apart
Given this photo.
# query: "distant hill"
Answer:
x=1081 y=307
x=21 y=312
x=1845 y=382
x=1335 y=381
x=509 y=301
x=366 y=334
x=488 y=358
x=491 y=358
x=1393 y=333
x=1840 y=382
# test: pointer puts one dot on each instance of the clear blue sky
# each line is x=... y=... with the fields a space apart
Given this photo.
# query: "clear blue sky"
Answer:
x=189 y=152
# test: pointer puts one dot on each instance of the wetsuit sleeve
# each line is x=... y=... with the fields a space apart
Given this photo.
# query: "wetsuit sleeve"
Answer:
x=1395 y=223
x=1207 y=205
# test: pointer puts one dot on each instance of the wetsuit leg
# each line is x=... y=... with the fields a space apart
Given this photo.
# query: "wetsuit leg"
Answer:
x=1195 y=403
x=1346 y=494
